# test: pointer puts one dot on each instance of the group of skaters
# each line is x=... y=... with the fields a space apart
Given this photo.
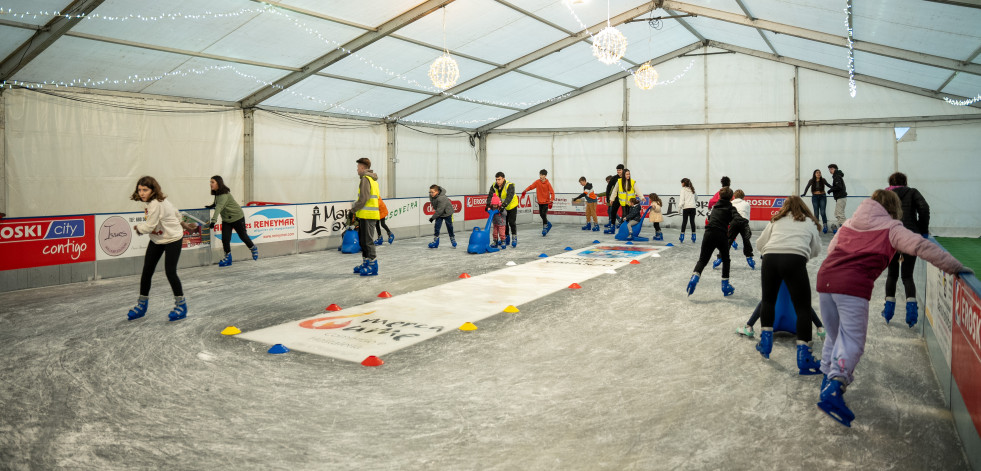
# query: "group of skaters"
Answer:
x=887 y=230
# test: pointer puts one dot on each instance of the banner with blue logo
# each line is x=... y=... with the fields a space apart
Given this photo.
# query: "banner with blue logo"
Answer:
x=265 y=224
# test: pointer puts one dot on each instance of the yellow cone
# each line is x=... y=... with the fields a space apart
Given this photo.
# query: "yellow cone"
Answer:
x=511 y=309
x=231 y=330
x=468 y=326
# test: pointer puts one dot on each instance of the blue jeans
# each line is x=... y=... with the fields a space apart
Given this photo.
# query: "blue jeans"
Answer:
x=449 y=225
x=820 y=205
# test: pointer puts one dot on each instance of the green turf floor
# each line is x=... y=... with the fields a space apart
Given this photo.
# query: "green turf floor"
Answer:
x=966 y=249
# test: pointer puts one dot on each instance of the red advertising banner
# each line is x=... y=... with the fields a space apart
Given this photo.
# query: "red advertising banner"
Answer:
x=965 y=359
x=473 y=207
x=762 y=208
x=39 y=242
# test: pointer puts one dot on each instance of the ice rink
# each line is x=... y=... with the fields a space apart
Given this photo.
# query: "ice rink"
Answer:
x=627 y=373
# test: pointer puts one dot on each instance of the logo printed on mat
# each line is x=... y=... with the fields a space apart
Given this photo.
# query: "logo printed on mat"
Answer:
x=324 y=322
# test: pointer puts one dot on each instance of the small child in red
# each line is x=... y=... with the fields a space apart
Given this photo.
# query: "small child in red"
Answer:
x=500 y=223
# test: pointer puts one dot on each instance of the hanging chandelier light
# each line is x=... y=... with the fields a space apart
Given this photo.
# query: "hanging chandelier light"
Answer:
x=609 y=45
x=444 y=72
x=645 y=77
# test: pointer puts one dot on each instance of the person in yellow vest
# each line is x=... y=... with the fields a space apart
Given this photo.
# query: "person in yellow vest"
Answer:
x=626 y=189
x=366 y=211
x=509 y=201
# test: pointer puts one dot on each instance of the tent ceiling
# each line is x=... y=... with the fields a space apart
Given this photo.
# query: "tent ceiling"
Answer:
x=513 y=54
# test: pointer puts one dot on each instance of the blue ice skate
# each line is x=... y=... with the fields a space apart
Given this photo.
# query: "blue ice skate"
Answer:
x=889 y=309
x=391 y=238
x=727 y=289
x=596 y=227
x=806 y=363
x=765 y=345
x=693 y=237
x=735 y=245
x=751 y=262
x=453 y=241
x=658 y=236
x=692 y=283
x=681 y=238
x=379 y=240
x=435 y=243
x=912 y=313
x=139 y=310
x=357 y=269
x=226 y=262
x=833 y=403
x=717 y=263
x=180 y=310
x=548 y=227
x=255 y=252
x=588 y=226
x=370 y=268
x=514 y=241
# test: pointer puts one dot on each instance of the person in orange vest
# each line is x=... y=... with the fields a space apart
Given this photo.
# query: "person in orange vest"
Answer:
x=545 y=196
x=383 y=213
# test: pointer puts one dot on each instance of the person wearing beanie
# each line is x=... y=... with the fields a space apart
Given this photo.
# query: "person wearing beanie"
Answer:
x=499 y=223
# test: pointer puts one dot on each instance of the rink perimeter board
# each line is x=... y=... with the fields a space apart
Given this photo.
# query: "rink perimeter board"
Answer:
x=384 y=326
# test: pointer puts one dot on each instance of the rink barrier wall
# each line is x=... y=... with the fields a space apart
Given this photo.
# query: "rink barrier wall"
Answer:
x=950 y=323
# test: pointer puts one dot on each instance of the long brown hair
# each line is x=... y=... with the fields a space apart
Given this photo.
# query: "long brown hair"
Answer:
x=889 y=200
x=795 y=207
x=155 y=192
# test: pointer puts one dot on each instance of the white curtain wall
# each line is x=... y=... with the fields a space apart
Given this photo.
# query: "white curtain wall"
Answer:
x=434 y=156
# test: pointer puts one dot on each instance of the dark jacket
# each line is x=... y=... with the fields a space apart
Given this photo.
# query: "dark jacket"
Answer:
x=508 y=195
x=838 y=185
x=916 y=211
x=442 y=207
x=817 y=186
x=609 y=189
x=722 y=214
x=634 y=213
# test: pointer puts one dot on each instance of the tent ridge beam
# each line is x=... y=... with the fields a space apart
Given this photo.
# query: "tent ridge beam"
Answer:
x=520 y=62
x=864 y=46
x=336 y=55
x=45 y=37
x=752 y=18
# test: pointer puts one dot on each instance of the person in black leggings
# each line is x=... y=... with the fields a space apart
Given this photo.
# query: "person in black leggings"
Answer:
x=916 y=217
x=166 y=236
x=688 y=204
x=716 y=237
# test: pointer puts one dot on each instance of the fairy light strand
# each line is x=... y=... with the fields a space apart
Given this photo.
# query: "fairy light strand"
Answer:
x=967 y=102
x=852 y=87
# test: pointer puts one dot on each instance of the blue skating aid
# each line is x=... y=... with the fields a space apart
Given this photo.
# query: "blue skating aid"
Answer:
x=596 y=241
x=349 y=242
x=669 y=244
x=278 y=348
x=568 y=248
x=785 y=316
x=480 y=238
x=622 y=231
x=543 y=255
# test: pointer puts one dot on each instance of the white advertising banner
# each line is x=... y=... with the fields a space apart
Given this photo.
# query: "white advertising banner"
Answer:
x=427 y=210
x=115 y=237
x=266 y=224
x=388 y=325
x=405 y=212
x=321 y=219
x=939 y=307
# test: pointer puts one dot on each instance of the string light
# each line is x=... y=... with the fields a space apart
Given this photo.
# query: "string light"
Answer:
x=645 y=77
x=444 y=72
x=609 y=45
x=852 y=88
x=968 y=102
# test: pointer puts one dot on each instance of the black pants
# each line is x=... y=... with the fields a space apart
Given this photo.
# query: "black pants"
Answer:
x=714 y=240
x=512 y=222
x=657 y=227
x=759 y=306
x=792 y=270
x=380 y=225
x=906 y=273
x=613 y=208
x=226 y=234
x=364 y=238
x=742 y=229
x=687 y=215
x=449 y=226
x=153 y=253
x=543 y=212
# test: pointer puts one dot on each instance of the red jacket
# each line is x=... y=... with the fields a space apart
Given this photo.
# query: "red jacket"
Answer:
x=544 y=193
x=865 y=244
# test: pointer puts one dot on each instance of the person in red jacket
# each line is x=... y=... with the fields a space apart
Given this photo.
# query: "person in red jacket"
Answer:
x=861 y=249
x=545 y=196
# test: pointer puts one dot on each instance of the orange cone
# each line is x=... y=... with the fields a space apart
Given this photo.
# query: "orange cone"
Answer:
x=333 y=307
x=464 y=275
x=384 y=294
x=575 y=286
x=634 y=262
x=372 y=361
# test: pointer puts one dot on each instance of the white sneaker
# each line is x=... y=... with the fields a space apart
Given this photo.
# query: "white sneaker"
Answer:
x=745 y=330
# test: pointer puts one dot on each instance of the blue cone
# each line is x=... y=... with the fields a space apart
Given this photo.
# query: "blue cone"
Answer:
x=278 y=348
x=630 y=243
x=542 y=256
x=596 y=241
x=669 y=244
x=568 y=248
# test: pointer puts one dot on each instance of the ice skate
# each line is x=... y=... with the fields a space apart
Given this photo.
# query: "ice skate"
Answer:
x=588 y=226
x=226 y=262
x=765 y=345
x=693 y=237
x=507 y=239
x=180 y=309
x=548 y=227
x=453 y=242
x=692 y=283
x=727 y=289
x=833 y=402
x=609 y=230
x=435 y=243
x=745 y=330
x=681 y=238
x=139 y=310
x=357 y=269
x=514 y=241
x=822 y=333
x=889 y=309
x=912 y=312
x=658 y=236
x=717 y=263
x=825 y=230
x=391 y=238
x=370 y=268
x=735 y=245
x=255 y=252
x=806 y=363
x=596 y=227
x=751 y=262
x=379 y=240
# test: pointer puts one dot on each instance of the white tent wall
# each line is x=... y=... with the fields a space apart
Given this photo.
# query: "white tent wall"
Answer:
x=428 y=156
x=65 y=156
x=593 y=155
x=304 y=158
x=596 y=108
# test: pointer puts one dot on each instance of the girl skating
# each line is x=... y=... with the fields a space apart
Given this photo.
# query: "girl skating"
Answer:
x=166 y=234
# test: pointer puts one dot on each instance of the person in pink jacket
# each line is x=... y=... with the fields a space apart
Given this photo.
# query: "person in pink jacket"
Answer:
x=857 y=255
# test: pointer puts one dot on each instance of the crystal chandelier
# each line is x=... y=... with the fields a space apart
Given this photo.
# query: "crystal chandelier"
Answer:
x=444 y=72
x=609 y=45
x=645 y=77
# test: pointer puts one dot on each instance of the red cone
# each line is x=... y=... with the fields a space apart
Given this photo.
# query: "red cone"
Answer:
x=634 y=262
x=333 y=307
x=575 y=286
x=372 y=361
x=464 y=275
x=384 y=294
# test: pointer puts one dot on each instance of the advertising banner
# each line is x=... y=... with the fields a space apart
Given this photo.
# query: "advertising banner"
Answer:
x=266 y=224
x=939 y=306
x=762 y=208
x=473 y=207
x=322 y=219
x=40 y=242
x=115 y=237
x=966 y=355
x=405 y=212
x=458 y=213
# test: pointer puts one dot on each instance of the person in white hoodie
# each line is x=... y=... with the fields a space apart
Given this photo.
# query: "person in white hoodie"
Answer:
x=163 y=225
x=688 y=203
x=740 y=226
x=786 y=244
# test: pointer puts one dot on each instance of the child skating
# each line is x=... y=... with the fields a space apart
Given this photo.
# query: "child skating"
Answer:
x=715 y=238
x=545 y=196
x=499 y=222
x=587 y=192
x=442 y=212
x=688 y=203
x=740 y=226
x=861 y=249
x=163 y=225
x=232 y=217
x=655 y=216
x=382 y=214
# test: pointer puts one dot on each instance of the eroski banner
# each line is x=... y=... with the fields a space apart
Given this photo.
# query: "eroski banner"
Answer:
x=40 y=242
x=388 y=325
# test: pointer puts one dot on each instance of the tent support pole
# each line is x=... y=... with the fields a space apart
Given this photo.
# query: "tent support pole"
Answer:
x=248 y=153
x=796 y=129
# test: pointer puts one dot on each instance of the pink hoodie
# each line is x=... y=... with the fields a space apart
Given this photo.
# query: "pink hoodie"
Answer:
x=865 y=244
